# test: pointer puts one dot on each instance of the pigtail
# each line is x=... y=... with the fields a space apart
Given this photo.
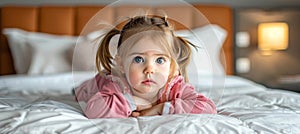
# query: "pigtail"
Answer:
x=103 y=56
x=184 y=52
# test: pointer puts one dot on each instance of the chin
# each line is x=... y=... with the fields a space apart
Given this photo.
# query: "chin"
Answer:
x=144 y=91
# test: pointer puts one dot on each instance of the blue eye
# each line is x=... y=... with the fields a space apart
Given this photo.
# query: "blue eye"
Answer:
x=160 y=60
x=138 y=59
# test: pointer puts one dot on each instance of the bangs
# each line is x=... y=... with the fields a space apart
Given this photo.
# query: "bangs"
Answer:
x=164 y=40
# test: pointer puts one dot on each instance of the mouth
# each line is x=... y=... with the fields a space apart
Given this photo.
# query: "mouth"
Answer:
x=148 y=82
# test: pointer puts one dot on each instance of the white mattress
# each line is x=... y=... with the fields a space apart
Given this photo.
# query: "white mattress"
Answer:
x=44 y=104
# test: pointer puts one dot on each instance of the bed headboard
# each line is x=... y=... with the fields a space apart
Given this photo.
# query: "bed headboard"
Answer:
x=70 y=20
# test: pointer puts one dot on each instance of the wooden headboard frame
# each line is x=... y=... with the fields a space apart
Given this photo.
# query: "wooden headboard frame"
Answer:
x=70 y=20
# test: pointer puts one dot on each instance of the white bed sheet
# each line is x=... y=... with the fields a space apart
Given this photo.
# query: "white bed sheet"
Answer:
x=44 y=104
x=62 y=83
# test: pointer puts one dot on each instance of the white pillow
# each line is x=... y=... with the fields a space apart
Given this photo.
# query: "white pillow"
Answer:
x=49 y=57
x=84 y=56
x=39 y=53
x=205 y=61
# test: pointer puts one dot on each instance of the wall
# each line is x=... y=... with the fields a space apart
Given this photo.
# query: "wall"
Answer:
x=268 y=69
x=233 y=3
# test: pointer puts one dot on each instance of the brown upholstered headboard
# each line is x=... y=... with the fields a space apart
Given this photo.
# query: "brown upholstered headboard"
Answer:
x=70 y=20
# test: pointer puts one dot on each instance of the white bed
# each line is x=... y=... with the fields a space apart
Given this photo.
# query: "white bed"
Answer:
x=245 y=107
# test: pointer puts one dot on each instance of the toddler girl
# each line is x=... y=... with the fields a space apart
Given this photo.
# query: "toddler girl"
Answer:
x=146 y=77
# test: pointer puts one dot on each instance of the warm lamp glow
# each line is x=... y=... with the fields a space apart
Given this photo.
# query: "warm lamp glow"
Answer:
x=272 y=36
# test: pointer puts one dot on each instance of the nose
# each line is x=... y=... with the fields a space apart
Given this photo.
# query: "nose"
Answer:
x=149 y=69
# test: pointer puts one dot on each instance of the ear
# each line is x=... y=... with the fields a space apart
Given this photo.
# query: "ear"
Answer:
x=119 y=63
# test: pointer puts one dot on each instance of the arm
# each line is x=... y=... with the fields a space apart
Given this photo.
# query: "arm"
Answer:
x=141 y=103
x=184 y=99
x=104 y=98
x=88 y=88
x=155 y=110
x=108 y=104
x=144 y=108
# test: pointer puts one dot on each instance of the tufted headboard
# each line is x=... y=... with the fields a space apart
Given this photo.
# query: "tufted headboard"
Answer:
x=70 y=20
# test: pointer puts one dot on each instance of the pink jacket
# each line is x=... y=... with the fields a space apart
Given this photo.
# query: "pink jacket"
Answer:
x=108 y=97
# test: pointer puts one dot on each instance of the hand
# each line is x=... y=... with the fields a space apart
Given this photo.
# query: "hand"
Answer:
x=155 y=110
x=141 y=103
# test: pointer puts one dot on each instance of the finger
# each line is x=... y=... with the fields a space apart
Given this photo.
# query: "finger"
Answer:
x=149 y=112
x=135 y=114
x=143 y=107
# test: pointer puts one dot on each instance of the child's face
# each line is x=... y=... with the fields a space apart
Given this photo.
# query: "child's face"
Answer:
x=146 y=66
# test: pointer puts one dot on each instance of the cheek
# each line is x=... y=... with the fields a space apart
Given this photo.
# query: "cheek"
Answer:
x=165 y=72
x=132 y=74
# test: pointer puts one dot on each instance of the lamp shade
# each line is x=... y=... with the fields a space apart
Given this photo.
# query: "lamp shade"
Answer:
x=272 y=36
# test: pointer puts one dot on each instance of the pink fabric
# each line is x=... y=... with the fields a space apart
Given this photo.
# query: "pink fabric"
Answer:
x=105 y=98
x=184 y=99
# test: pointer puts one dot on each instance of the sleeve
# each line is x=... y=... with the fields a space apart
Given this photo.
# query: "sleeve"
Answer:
x=102 y=98
x=184 y=99
x=88 y=88
x=109 y=102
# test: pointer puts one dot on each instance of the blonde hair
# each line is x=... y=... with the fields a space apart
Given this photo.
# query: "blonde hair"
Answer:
x=178 y=48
